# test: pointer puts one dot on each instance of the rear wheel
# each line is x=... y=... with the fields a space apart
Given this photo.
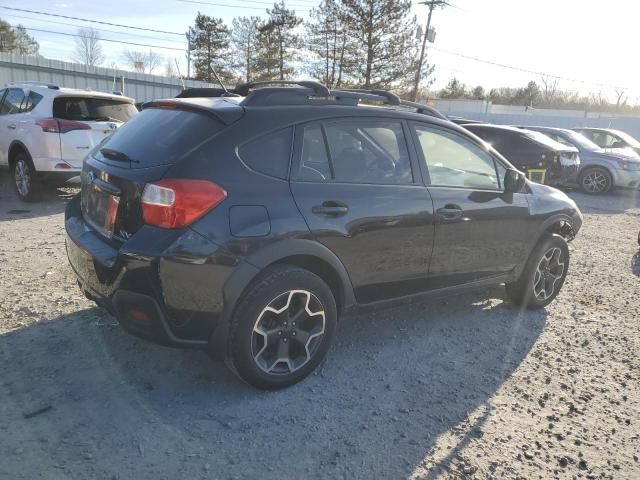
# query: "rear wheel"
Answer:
x=596 y=180
x=283 y=328
x=23 y=175
x=543 y=275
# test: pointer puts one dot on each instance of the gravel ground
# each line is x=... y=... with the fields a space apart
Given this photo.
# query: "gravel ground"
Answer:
x=464 y=387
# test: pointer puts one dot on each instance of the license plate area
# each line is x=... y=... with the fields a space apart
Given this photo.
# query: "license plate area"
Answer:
x=100 y=208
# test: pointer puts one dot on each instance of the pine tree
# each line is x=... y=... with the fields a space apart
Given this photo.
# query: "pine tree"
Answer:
x=211 y=41
x=384 y=33
x=329 y=41
x=278 y=42
x=245 y=41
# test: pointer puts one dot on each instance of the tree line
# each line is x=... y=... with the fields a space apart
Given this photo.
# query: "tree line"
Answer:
x=543 y=94
x=345 y=43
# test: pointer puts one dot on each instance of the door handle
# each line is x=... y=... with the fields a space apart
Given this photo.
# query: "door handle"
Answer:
x=450 y=212
x=12 y=126
x=330 y=209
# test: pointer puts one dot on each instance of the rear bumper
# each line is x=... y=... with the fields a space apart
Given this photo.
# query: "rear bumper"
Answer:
x=564 y=176
x=154 y=293
x=53 y=164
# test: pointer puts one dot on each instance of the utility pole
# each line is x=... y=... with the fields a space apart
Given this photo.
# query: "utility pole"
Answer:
x=432 y=4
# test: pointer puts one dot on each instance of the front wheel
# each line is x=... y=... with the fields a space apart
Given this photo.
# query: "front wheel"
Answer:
x=543 y=275
x=596 y=180
x=282 y=328
x=23 y=177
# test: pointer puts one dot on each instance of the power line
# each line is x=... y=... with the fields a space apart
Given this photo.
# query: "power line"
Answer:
x=525 y=70
x=11 y=15
x=234 y=6
x=88 y=20
x=105 y=39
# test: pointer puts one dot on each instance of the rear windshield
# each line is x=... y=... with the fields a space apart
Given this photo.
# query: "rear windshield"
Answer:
x=158 y=136
x=97 y=109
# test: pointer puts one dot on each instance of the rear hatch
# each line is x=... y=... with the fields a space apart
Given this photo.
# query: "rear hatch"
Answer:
x=115 y=173
x=84 y=122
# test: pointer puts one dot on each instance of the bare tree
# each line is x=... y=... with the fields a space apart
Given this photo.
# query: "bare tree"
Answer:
x=621 y=97
x=549 y=88
x=170 y=69
x=88 y=49
x=143 y=62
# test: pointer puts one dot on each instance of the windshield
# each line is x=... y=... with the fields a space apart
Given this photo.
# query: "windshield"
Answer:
x=544 y=140
x=581 y=141
x=627 y=138
x=96 y=109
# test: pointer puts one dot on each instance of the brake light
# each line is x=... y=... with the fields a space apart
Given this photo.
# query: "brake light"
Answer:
x=52 y=125
x=178 y=203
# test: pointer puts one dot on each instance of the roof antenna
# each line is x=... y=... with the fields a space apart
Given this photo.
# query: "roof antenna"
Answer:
x=227 y=93
x=179 y=74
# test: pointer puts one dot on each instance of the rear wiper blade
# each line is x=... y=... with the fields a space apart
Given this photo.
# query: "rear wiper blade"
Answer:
x=117 y=156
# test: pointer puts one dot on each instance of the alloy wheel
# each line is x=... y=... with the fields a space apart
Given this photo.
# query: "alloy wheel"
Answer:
x=548 y=274
x=288 y=332
x=595 y=182
x=22 y=177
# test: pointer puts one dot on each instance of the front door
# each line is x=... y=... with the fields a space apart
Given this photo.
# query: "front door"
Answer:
x=481 y=231
x=360 y=193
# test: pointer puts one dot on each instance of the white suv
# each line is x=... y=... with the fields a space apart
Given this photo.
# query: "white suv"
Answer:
x=46 y=131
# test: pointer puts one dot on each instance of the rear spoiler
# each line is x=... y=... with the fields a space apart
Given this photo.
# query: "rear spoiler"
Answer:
x=226 y=112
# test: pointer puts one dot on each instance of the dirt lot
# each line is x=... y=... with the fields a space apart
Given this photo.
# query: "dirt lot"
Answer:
x=465 y=387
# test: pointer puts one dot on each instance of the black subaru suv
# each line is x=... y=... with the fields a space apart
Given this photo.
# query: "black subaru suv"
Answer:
x=247 y=222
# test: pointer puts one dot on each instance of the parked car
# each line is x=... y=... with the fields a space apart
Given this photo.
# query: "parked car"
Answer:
x=48 y=130
x=608 y=138
x=246 y=227
x=542 y=159
x=600 y=169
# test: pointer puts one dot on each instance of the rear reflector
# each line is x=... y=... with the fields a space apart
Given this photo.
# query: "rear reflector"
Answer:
x=52 y=125
x=178 y=203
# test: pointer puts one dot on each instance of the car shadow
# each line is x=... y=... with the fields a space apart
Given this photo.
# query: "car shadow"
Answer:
x=615 y=202
x=50 y=200
x=395 y=380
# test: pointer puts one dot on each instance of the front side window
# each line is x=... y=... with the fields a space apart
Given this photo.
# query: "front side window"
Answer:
x=454 y=161
x=356 y=151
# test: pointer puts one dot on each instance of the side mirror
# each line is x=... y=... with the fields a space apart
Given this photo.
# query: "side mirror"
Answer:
x=514 y=181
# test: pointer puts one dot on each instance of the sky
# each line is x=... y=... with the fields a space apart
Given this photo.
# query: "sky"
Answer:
x=586 y=46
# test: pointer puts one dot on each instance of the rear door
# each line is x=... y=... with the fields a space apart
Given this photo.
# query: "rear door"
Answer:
x=88 y=121
x=481 y=231
x=358 y=188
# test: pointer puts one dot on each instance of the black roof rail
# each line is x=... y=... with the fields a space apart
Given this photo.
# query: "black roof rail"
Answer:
x=388 y=97
x=319 y=90
x=424 y=109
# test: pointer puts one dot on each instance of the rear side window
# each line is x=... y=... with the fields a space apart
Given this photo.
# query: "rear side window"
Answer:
x=269 y=154
x=88 y=109
x=13 y=101
x=356 y=150
x=30 y=102
x=161 y=136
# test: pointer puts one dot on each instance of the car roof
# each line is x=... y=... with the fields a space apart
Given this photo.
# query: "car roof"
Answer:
x=52 y=91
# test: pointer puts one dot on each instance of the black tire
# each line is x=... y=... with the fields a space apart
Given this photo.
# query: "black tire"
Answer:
x=527 y=291
x=254 y=355
x=23 y=177
x=595 y=181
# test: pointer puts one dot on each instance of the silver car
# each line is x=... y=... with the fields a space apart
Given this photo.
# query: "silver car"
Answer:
x=600 y=169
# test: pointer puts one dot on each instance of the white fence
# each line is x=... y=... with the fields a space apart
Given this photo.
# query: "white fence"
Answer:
x=517 y=115
x=141 y=87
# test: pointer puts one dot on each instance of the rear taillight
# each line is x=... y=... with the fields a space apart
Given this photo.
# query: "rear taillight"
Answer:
x=178 y=203
x=52 y=125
